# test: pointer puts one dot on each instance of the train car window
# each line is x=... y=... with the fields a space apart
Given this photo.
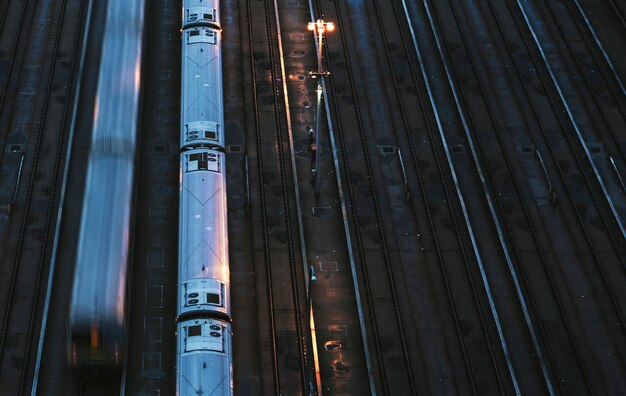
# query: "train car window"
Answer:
x=212 y=298
x=208 y=16
x=194 y=33
x=193 y=17
x=210 y=135
x=194 y=331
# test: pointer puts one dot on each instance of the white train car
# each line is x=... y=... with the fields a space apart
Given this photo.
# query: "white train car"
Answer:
x=205 y=12
x=203 y=276
x=203 y=364
x=204 y=345
x=98 y=309
x=202 y=107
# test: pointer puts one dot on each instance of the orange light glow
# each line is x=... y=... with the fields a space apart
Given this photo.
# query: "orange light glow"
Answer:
x=94 y=336
x=321 y=26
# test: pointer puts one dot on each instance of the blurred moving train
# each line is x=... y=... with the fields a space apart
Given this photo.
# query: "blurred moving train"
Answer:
x=98 y=308
x=204 y=359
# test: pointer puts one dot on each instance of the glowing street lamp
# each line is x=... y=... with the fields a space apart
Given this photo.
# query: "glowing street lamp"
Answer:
x=320 y=27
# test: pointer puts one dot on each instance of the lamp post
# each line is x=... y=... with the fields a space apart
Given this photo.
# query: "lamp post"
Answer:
x=319 y=27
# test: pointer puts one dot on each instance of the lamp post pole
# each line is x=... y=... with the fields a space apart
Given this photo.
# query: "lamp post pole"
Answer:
x=320 y=27
x=318 y=133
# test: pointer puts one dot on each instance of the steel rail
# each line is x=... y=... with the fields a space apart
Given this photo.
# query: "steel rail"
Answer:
x=594 y=94
x=57 y=231
x=29 y=192
x=49 y=211
x=55 y=173
x=5 y=86
x=379 y=221
x=257 y=120
x=294 y=172
x=526 y=212
x=346 y=224
x=357 y=234
x=464 y=209
x=3 y=14
x=414 y=158
x=448 y=201
x=620 y=10
x=298 y=321
x=279 y=131
x=600 y=46
x=492 y=209
x=562 y=177
x=572 y=119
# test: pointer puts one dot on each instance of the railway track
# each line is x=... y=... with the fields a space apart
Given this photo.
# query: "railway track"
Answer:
x=578 y=117
x=375 y=250
x=507 y=195
x=278 y=263
x=586 y=219
x=11 y=23
x=620 y=9
x=520 y=233
x=11 y=53
x=151 y=356
x=437 y=233
x=579 y=216
x=462 y=187
x=247 y=370
x=45 y=153
x=544 y=297
x=478 y=379
x=607 y=111
x=453 y=144
x=595 y=41
x=558 y=156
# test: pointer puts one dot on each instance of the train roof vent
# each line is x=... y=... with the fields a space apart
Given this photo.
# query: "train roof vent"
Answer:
x=202 y=130
x=193 y=13
x=201 y=35
x=195 y=291
x=203 y=337
x=203 y=161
